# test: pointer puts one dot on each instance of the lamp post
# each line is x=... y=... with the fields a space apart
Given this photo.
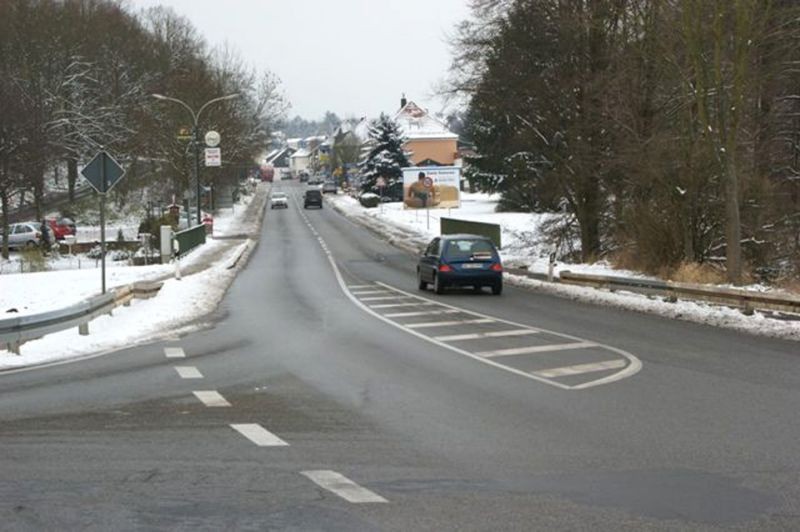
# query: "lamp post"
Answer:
x=195 y=133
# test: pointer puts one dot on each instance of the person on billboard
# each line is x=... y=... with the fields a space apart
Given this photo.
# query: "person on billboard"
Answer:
x=420 y=196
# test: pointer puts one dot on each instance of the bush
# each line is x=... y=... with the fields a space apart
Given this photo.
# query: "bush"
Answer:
x=153 y=226
x=369 y=200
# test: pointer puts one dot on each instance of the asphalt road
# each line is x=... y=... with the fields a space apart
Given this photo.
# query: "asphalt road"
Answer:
x=333 y=395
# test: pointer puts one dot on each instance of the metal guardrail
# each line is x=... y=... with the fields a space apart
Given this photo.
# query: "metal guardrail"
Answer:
x=15 y=331
x=188 y=239
x=746 y=300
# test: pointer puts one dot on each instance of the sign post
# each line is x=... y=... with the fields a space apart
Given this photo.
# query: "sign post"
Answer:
x=102 y=173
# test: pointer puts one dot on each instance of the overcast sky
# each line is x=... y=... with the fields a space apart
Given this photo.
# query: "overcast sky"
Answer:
x=353 y=57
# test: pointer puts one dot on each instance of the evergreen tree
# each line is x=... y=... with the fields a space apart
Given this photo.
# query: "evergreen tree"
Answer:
x=386 y=157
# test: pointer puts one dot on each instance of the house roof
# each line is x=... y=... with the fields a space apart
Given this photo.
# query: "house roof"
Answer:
x=417 y=124
x=302 y=152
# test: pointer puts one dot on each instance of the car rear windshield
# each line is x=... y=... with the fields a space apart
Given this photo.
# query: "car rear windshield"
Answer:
x=467 y=249
x=312 y=193
x=279 y=195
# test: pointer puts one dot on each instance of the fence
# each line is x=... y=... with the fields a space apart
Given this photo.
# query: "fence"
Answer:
x=188 y=239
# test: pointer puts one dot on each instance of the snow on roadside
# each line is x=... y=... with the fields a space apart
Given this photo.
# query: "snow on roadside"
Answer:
x=520 y=234
x=177 y=304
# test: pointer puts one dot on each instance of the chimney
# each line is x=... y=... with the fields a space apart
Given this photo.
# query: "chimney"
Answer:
x=403 y=100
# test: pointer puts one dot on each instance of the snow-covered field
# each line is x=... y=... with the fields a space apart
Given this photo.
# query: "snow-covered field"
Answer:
x=178 y=302
x=522 y=245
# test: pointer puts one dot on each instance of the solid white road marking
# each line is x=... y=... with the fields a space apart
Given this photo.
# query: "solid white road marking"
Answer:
x=211 y=398
x=342 y=486
x=371 y=292
x=188 y=372
x=477 y=336
x=392 y=305
x=446 y=323
x=535 y=349
x=383 y=298
x=258 y=435
x=174 y=352
x=420 y=313
x=581 y=368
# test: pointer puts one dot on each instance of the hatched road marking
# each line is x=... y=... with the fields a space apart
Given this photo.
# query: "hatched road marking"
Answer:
x=581 y=369
x=211 y=398
x=627 y=364
x=371 y=292
x=447 y=323
x=393 y=305
x=343 y=487
x=420 y=313
x=535 y=349
x=384 y=298
x=478 y=336
x=258 y=435
x=188 y=372
x=174 y=352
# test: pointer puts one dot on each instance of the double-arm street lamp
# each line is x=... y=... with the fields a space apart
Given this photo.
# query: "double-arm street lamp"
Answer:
x=195 y=136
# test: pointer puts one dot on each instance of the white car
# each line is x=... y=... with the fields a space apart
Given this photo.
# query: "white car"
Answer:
x=21 y=235
x=279 y=200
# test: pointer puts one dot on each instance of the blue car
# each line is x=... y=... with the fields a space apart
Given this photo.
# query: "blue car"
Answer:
x=460 y=260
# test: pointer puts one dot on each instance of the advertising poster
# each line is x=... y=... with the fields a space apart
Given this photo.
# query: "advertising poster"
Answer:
x=432 y=187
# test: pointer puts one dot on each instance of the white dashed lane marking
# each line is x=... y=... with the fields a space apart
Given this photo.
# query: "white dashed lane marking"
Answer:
x=535 y=349
x=447 y=323
x=343 y=487
x=211 y=398
x=258 y=435
x=580 y=369
x=478 y=336
x=174 y=352
x=188 y=372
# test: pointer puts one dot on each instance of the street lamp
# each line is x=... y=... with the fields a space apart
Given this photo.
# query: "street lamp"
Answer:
x=195 y=133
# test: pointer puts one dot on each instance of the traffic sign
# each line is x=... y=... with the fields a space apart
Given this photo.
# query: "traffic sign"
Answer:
x=103 y=172
x=212 y=139
x=213 y=157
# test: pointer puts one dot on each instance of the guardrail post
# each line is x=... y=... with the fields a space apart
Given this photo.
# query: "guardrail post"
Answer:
x=748 y=309
x=83 y=329
x=13 y=347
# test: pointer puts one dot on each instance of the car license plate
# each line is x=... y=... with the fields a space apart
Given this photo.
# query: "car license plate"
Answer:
x=472 y=266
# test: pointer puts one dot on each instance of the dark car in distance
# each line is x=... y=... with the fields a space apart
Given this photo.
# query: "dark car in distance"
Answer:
x=312 y=198
x=460 y=260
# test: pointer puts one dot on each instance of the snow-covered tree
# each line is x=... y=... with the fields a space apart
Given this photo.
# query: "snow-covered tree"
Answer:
x=385 y=156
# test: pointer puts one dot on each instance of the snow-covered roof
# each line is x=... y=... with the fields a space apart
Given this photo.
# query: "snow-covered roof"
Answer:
x=416 y=123
x=302 y=152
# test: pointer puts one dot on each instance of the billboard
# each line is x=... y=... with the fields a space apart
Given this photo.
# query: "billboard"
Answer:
x=432 y=187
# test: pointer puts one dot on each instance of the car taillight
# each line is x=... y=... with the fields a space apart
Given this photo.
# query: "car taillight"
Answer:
x=445 y=268
x=497 y=267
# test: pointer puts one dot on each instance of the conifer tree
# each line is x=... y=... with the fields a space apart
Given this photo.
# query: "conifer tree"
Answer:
x=386 y=157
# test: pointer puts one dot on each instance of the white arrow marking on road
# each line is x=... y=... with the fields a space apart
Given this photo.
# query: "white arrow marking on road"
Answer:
x=188 y=372
x=258 y=435
x=343 y=487
x=174 y=352
x=581 y=368
x=535 y=349
x=211 y=398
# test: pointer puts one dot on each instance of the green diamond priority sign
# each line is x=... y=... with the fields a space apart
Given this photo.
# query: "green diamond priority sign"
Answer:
x=103 y=172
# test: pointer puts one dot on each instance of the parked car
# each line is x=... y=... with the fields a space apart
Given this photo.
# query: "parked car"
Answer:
x=61 y=227
x=329 y=187
x=460 y=260
x=25 y=234
x=279 y=200
x=315 y=180
x=312 y=197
